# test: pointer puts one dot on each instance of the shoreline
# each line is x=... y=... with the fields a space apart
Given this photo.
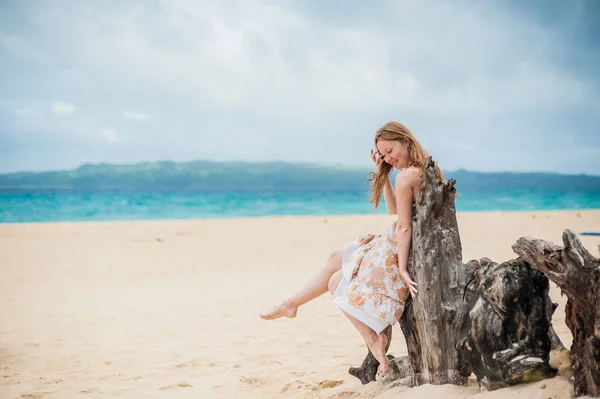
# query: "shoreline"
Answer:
x=298 y=216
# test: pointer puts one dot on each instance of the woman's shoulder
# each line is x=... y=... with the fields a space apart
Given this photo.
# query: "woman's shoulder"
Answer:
x=409 y=176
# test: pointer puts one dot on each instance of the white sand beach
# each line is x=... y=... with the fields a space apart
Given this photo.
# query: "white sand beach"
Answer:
x=169 y=309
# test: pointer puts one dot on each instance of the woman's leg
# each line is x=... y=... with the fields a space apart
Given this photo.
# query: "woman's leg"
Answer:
x=316 y=287
x=375 y=342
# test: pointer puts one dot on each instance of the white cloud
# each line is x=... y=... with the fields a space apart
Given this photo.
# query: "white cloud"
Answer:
x=261 y=57
x=138 y=116
x=266 y=59
x=267 y=72
x=109 y=135
x=61 y=108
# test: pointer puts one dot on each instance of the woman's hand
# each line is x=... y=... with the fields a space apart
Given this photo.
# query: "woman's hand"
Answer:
x=412 y=286
x=377 y=159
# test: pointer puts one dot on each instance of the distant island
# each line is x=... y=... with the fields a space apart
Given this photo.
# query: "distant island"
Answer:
x=273 y=176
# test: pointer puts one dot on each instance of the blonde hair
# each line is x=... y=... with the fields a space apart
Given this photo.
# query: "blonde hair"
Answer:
x=397 y=131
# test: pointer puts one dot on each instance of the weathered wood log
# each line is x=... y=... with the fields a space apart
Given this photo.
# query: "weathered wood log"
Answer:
x=439 y=321
x=440 y=312
x=509 y=341
x=577 y=273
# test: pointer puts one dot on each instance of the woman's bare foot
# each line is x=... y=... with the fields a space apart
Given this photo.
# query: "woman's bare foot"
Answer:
x=285 y=308
x=377 y=348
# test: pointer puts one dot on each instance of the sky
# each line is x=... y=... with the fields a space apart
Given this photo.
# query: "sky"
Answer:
x=484 y=85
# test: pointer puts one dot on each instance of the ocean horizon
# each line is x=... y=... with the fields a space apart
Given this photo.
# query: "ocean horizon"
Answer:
x=27 y=206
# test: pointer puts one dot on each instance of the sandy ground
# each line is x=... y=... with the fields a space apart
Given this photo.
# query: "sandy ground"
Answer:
x=168 y=309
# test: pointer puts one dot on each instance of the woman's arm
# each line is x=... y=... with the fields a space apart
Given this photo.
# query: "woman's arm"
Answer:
x=390 y=198
x=404 y=199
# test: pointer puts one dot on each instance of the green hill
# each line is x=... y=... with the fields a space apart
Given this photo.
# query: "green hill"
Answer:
x=250 y=176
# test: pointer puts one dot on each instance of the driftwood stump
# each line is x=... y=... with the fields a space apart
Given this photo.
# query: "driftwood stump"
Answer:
x=510 y=337
x=447 y=338
x=438 y=317
x=577 y=273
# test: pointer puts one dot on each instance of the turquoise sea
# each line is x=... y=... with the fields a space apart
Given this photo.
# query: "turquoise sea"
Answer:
x=19 y=206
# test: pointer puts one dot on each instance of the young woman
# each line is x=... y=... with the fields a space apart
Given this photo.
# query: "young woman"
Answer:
x=369 y=278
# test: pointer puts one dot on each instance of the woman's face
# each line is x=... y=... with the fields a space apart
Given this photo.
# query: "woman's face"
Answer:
x=394 y=152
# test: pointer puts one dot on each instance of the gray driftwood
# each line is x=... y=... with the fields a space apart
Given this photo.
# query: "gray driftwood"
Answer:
x=577 y=273
x=510 y=337
x=466 y=319
x=438 y=317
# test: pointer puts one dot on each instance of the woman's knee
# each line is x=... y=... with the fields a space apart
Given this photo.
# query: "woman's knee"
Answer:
x=334 y=263
x=334 y=281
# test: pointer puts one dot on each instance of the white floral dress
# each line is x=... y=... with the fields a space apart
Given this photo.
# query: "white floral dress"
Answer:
x=372 y=289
